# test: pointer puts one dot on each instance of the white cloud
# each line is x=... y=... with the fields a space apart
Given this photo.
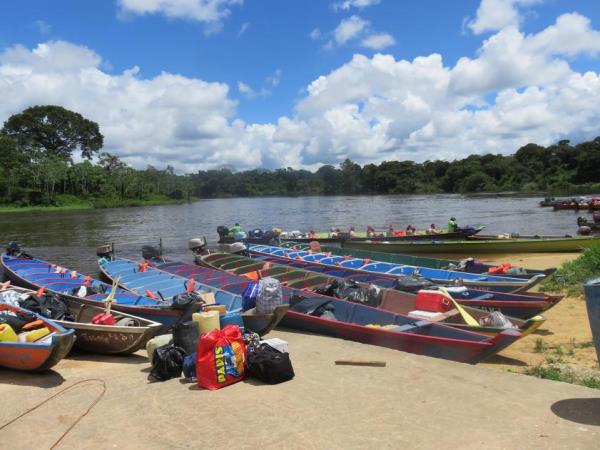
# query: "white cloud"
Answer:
x=315 y=34
x=246 y=90
x=243 y=28
x=348 y=29
x=378 y=41
x=345 y=5
x=356 y=29
x=494 y=15
x=512 y=59
x=517 y=88
x=209 y=12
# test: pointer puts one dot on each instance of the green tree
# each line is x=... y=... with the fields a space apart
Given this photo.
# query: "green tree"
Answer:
x=54 y=131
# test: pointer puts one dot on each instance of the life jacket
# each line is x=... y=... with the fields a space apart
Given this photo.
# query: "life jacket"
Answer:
x=502 y=268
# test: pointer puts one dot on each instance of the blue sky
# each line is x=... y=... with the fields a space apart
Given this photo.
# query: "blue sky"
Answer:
x=263 y=54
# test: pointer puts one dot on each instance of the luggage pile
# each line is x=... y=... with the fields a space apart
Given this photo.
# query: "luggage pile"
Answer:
x=215 y=356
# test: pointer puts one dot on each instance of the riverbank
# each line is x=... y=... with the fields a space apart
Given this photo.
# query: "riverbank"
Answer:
x=414 y=401
x=74 y=204
x=562 y=349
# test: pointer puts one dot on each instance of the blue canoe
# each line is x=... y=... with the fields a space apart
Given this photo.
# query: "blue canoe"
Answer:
x=592 y=301
x=168 y=285
x=35 y=274
x=480 y=281
x=160 y=283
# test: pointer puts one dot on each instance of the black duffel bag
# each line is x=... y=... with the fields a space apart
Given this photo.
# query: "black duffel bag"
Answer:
x=269 y=365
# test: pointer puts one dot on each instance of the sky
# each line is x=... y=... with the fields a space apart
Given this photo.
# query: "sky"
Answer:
x=201 y=84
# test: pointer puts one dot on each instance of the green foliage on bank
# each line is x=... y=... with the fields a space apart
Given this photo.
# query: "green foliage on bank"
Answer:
x=39 y=146
x=569 y=277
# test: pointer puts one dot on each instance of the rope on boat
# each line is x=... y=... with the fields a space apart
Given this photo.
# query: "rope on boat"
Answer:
x=96 y=381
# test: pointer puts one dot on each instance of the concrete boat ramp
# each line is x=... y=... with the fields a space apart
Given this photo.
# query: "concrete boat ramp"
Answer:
x=413 y=402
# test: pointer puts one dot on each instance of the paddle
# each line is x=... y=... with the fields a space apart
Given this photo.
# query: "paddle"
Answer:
x=464 y=314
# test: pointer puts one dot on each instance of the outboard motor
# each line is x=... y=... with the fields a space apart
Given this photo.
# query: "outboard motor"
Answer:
x=198 y=245
x=105 y=251
x=223 y=232
x=582 y=221
x=237 y=248
x=150 y=252
x=13 y=249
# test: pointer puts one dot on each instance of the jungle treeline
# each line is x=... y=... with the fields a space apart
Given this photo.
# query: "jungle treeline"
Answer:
x=37 y=167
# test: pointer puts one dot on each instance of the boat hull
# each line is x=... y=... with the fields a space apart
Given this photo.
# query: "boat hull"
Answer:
x=165 y=315
x=108 y=339
x=454 y=350
x=574 y=244
x=412 y=260
x=36 y=356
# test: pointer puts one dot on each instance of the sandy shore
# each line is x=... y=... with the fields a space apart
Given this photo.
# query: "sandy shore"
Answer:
x=414 y=401
x=565 y=337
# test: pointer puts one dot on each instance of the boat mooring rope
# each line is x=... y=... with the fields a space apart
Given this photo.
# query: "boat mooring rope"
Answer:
x=62 y=391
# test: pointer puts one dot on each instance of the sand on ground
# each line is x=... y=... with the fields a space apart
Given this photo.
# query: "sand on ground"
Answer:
x=566 y=336
x=414 y=401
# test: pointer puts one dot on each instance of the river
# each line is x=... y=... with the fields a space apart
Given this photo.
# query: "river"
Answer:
x=70 y=237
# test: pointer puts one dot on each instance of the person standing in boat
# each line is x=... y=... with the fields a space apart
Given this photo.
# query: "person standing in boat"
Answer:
x=452 y=225
x=390 y=231
x=352 y=232
x=411 y=230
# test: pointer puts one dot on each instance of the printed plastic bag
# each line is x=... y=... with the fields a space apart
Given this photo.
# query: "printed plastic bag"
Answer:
x=221 y=358
x=269 y=295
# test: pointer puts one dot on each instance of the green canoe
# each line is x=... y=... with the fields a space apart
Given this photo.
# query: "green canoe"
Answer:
x=469 y=247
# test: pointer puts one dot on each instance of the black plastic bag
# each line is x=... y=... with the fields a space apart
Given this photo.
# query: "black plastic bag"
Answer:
x=413 y=284
x=186 y=335
x=353 y=292
x=328 y=289
x=167 y=362
x=48 y=305
x=182 y=301
x=270 y=365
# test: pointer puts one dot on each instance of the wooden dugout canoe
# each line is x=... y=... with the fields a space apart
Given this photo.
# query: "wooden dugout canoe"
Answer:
x=470 y=247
